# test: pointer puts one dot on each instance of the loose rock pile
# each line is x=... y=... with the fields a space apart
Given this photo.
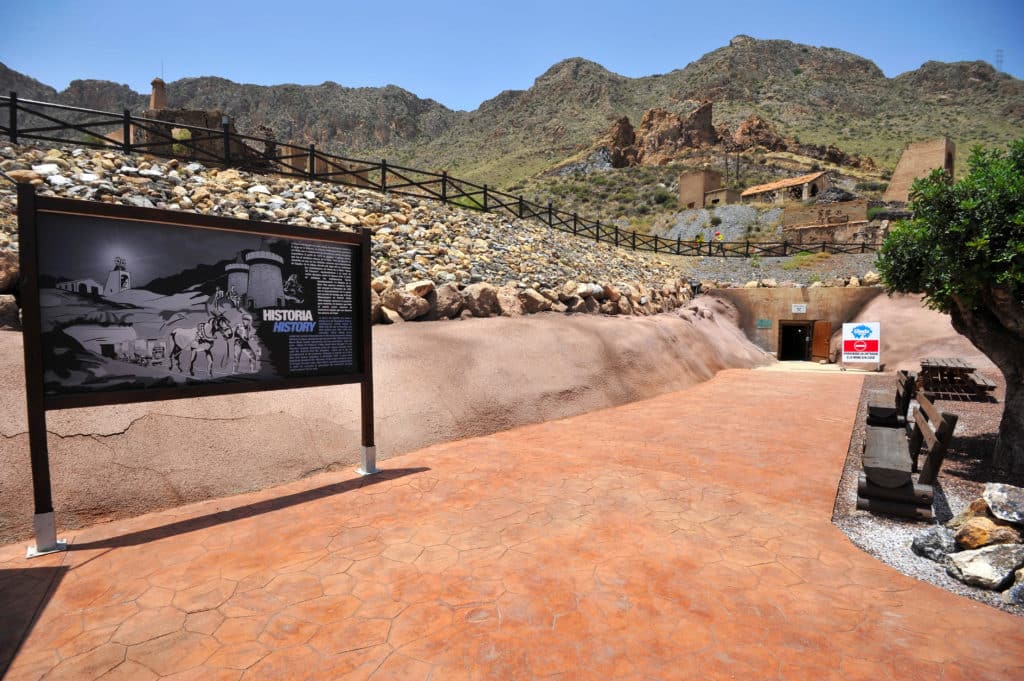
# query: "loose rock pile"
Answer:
x=984 y=544
x=429 y=261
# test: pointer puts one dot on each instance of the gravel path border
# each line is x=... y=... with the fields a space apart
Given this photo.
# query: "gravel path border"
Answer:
x=961 y=480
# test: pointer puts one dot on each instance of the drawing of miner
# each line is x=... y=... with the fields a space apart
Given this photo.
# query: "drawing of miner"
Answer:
x=293 y=289
x=245 y=342
x=213 y=305
x=235 y=297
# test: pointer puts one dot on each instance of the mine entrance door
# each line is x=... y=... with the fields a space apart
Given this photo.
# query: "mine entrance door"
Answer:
x=820 y=337
x=794 y=341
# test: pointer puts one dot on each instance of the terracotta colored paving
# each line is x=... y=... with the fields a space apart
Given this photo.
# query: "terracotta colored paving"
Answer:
x=684 y=537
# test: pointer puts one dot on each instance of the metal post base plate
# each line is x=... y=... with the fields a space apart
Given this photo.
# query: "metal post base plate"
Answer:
x=60 y=545
x=368 y=465
x=46 y=536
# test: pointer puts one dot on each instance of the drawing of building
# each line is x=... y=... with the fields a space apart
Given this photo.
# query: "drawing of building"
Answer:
x=265 y=286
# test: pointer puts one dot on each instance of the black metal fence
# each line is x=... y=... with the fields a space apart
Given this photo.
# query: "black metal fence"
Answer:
x=130 y=133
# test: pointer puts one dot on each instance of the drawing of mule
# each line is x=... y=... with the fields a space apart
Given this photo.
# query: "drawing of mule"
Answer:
x=199 y=339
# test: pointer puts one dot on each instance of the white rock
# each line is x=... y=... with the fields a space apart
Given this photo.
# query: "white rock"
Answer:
x=46 y=169
x=258 y=189
x=58 y=180
x=988 y=567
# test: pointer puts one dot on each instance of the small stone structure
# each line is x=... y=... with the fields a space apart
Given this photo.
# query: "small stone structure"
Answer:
x=918 y=160
x=704 y=188
x=799 y=188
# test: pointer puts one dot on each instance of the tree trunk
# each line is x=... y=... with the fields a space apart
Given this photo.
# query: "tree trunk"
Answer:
x=997 y=335
x=1009 y=452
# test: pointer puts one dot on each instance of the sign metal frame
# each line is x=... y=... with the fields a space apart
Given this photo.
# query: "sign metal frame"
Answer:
x=38 y=402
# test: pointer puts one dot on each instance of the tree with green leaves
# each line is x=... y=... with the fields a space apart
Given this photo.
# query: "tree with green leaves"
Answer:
x=964 y=250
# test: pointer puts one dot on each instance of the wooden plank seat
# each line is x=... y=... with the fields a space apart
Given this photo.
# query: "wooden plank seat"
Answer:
x=890 y=457
x=894 y=415
x=981 y=383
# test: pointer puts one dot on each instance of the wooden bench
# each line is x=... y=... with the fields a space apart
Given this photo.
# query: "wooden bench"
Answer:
x=894 y=415
x=890 y=458
x=983 y=384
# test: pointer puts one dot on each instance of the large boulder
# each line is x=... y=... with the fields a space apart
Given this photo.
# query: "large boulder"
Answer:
x=533 y=302
x=381 y=283
x=448 y=301
x=935 y=543
x=421 y=288
x=982 y=531
x=990 y=567
x=1015 y=594
x=409 y=305
x=1005 y=502
x=9 y=269
x=509 y=304
x=976 y=509
x=375 y=307
x=871 y=279
x=481 y=299
x=590 y=290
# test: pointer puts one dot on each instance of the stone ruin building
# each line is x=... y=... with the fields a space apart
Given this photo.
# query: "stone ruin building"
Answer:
x=799 y=188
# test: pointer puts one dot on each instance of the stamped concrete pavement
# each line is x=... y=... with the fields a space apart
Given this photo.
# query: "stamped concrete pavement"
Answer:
x=681 y=537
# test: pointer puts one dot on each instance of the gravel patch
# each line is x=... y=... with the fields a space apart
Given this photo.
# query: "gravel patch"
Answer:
x=742 y=270
x=962 y=479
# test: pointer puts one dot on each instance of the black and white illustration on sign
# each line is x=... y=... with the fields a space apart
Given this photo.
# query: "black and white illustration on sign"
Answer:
x=128 y=304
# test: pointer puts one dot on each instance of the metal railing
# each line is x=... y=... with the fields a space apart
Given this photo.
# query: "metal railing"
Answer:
x=131 y=133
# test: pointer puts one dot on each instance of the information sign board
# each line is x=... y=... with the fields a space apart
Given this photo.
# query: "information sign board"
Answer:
x=862 y=342
x=124 y=304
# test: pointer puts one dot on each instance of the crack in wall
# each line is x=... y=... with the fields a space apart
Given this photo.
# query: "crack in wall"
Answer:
x=125 y=430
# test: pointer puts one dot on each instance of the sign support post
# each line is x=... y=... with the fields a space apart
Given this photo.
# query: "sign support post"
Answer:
x=368 y=456
x=43 y=521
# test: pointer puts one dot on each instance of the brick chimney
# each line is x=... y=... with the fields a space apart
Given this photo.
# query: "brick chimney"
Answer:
x=158 y=98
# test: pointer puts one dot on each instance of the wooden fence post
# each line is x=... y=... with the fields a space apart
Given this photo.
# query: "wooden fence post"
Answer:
x=520 y=207
x=311 y=163
x=633 y=245
x=575 y=220
x=126 y=132
x=485 y=198
x=597 y=231
x=12 y=128
x=444 y=186
x=616 y=236
x=551 y=220
x=227 y=139
x=383 y=176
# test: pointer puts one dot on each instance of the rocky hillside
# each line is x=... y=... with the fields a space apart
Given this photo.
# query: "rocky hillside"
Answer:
x=429 y=261
x=347 y=120
x=818 y=95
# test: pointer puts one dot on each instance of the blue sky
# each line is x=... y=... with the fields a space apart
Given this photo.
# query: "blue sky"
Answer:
x=461 y=53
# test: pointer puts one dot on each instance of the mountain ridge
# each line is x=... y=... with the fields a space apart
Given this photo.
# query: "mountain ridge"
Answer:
x=820 y=95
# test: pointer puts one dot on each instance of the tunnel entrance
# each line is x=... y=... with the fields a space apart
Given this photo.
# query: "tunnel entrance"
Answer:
x=795 y=341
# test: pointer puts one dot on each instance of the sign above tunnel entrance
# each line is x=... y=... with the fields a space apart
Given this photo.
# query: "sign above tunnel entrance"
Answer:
x=862 y=342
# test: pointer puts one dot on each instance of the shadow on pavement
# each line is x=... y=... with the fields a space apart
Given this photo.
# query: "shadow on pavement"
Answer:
x=246 y=511
x=24 y=593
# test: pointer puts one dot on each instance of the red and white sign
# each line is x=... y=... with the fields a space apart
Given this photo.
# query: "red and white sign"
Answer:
x=862 y=342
